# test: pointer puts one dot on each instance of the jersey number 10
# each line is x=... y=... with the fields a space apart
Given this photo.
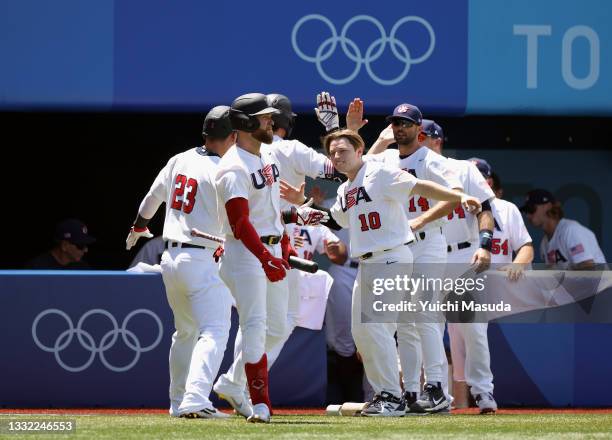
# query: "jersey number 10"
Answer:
x=373 y=221
x=185 y=189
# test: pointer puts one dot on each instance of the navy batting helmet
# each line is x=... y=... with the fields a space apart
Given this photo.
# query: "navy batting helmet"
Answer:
x=217 y=123
x=286 y=118
x=244 y=111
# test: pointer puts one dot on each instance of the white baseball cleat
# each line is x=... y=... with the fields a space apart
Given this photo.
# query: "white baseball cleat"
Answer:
x=205 y=413
x=261 y=414
x=237 y=400
x=173 y=411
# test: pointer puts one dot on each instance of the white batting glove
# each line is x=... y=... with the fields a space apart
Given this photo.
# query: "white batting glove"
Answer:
x=135 y=234
x=310 y=216
x=327 y=111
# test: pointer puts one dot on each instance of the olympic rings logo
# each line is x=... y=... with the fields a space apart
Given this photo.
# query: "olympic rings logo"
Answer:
x=373 y=52
x=88 y=343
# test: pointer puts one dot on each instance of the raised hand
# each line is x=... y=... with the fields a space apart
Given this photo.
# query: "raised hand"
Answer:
x=354 y=115
x=327 y=111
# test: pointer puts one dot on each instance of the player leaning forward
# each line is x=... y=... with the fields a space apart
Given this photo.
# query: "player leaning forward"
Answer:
x=371 y=205
x=256 y=252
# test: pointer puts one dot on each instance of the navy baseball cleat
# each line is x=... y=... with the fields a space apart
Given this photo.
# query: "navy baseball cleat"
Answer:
x=385 y=405
x=432 y=400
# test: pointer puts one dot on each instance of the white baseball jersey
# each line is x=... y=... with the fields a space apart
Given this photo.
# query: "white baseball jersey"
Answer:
x=571 y=244
x=462 y=225
x=297 y=161
x=424 y=164
x=313 y=238
x=509 y=233
x=372 y=208
x=255 y=178
x=187 y=185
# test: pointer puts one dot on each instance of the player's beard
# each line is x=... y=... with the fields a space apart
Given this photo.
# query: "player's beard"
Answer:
x=265 y=136
x=406 y=139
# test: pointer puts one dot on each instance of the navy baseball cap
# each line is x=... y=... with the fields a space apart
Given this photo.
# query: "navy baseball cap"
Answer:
x=483 y=166
x=536 y=197
x=74 y=231
x=406 y=111
x=430 y=128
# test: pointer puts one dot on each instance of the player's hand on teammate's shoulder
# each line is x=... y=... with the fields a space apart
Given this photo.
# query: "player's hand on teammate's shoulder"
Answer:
x=327 y=112
x=354 y=115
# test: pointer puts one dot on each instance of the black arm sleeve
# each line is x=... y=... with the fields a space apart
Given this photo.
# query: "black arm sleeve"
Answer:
x=141 y=222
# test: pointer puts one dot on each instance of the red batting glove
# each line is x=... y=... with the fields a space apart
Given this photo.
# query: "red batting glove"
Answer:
x=275 y=268
x=286 y=248
x=218 y=253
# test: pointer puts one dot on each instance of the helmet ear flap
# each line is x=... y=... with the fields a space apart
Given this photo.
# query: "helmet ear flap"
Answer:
x=243 y=122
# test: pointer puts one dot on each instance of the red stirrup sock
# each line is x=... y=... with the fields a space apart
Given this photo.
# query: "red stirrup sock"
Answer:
x=257 y=379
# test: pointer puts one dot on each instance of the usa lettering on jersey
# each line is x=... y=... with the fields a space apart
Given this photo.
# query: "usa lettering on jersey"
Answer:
x=353 y=197
x=554 y=256
x=268 y=175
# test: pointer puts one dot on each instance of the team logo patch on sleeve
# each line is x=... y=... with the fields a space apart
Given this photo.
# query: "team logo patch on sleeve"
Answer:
x=578 y=249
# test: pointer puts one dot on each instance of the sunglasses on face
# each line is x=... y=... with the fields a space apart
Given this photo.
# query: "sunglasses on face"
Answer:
x=530 y=209
x=402 y=123
x=80 y=246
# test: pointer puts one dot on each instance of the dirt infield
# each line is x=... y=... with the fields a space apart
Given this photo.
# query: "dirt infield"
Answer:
x=280 y=411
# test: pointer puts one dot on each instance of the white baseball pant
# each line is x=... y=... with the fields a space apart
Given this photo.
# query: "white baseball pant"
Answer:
x=201 y=305
x=374 y=340
x=422 y=342
x=262 y=308
x=469 y=342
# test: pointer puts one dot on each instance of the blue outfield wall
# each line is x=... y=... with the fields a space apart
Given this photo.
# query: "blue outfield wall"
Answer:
x=448 y=56
x=87 y=339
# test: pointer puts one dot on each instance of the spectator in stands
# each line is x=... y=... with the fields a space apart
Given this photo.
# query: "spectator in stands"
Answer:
x=566 y=244
x=71 y=244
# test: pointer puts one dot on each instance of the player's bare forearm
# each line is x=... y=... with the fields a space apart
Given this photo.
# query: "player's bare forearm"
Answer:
x=439 y=210
x=524 y=256
x=432 y=190
x=385 y=138
x=485 y=221
x=379 y=146
x=584 y=265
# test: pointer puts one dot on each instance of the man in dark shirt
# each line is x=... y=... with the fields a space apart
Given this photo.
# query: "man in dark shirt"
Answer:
x=71 y=241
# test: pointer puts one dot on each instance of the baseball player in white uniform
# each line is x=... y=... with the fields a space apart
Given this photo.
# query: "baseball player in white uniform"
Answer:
x=421 y=342
x=256 y=253
x=297 y=161
x=566 y=244
x=199 y=299
x=510 y=237
x=464 y=247
x=370 y=204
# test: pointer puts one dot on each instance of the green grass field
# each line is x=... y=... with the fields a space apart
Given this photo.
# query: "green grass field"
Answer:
x=298 y=427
